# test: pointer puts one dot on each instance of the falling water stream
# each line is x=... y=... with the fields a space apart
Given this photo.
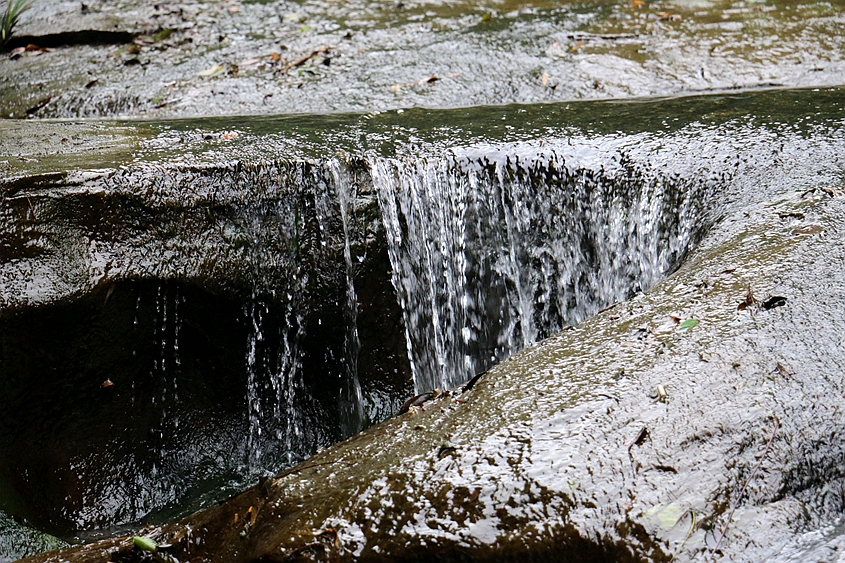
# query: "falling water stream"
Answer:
x=351 y=400
x=491 y=254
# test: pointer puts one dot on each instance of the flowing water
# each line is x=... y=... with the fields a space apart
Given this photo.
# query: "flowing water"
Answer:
x=491 y=254
x=485 y=250
x=490 y=249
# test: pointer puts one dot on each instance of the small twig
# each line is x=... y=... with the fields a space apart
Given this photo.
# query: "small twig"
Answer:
x=603 y=36
x=744 y=487
x=693 y=523
x=302 y=60
x=300 y=468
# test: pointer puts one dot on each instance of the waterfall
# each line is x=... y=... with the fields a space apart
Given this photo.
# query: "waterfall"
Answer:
x=491 y=254
x=321 y=230
x=292 y=302
x=351 y=400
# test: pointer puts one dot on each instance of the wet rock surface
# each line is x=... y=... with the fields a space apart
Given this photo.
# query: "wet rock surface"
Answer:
x=568 y=449
x=638 y=435
x=188 y=306
x=166 y=334
x=233 y=58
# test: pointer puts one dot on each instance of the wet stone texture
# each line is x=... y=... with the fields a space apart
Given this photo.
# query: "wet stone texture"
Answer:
x=698 y=419
x=230 y=57
x=165 y=336
x=568 y=451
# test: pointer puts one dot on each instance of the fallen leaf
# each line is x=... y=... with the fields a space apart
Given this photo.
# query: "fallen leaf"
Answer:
x=689 y=323
x=162 y=35
x=665 y=515
x=144 y=543
x=107 y=383
x=302 y=60
x=749 y=301
x=229 y=135
x=638 y=3
x=213 y=71
x=487 y=17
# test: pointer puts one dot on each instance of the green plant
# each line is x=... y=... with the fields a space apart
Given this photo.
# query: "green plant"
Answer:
x=14 y=9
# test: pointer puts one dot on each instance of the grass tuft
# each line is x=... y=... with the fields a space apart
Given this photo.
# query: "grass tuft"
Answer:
x=14 y=9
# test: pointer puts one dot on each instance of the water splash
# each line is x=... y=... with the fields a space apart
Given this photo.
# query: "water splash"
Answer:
x=492 y=253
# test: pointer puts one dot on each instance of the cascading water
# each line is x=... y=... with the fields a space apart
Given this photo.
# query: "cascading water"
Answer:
x=351 y=400
x=491 y=254
x=486 y=255
x=274 y=376
x=274 y=357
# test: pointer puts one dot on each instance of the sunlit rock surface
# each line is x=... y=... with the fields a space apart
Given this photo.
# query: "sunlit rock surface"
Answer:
x=192 y=58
